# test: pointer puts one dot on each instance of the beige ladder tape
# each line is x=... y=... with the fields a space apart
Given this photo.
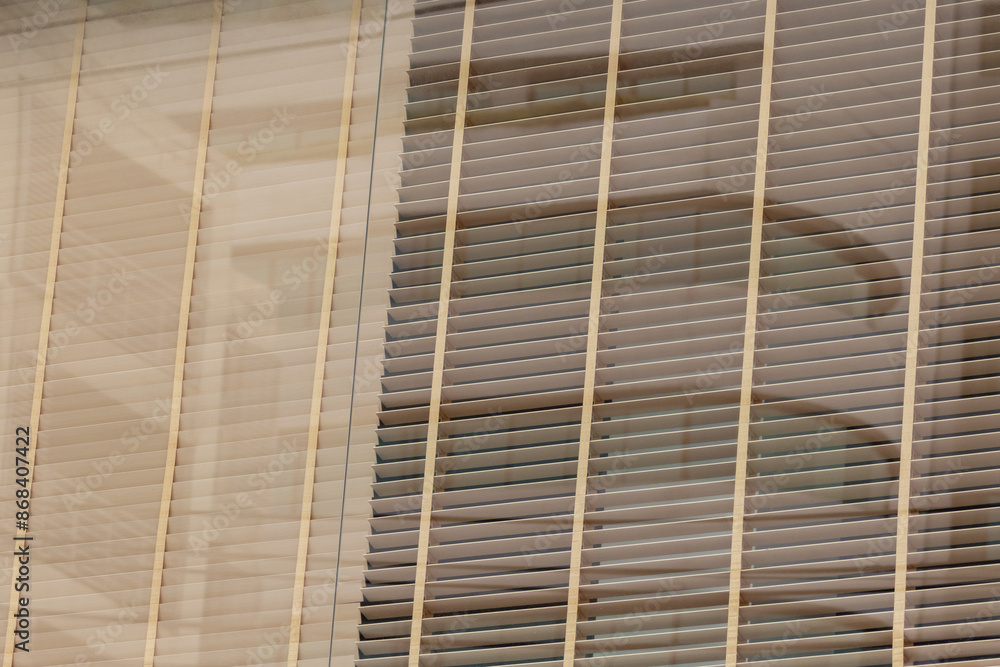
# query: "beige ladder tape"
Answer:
x=182 y=334
x=913 y=339
x=749 y=339
x=593 y=330
x=312 y=443
x=50 y=288
x=437 y=378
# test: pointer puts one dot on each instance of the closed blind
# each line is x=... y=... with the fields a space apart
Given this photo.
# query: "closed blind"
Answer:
x=101 y=438
x=36 y=68
x=185 y=541
x=953 y=542
x=768 y=184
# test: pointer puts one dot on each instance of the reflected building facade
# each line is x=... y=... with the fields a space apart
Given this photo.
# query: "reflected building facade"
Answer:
x=546 y=332
x=692 y=343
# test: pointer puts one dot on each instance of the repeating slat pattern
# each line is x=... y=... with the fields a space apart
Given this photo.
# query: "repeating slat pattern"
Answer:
x=819 y=540
x=251 y=353
x=34 y=79
x=954 y=549
x=513 y=367
x=829 y=380
x=232 y=543
x=99 y=465
x=341 y=510
x=819 y=519
x=663 y=443
x=409 y=335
